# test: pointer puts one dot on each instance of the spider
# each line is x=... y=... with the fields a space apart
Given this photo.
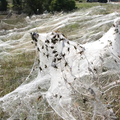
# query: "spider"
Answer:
x=47 y=41
x=75 y=47
x=45 y=66
x=43 y=47
x=40 y=68
x=56 y=55
x=68 y=42
x=52 y=47
x=59 y=58
x=66 y=64
x=68 y=49
x=47 y=55
x=54 y=51
x=38 y=49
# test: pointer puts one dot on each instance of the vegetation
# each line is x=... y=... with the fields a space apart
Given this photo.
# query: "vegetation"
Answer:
x=108 y=8
x=58 y=5
x=85 y=5
x=3 y=5
x=39 y=6
x=14 y=70
x=17 y=5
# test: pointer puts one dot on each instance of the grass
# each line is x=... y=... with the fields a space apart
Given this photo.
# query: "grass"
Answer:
x=109 y=7
x=12 y=23
x=116 y=103
x=15 y=21
x=69 y=29
x=85 y=5
x=14 y=70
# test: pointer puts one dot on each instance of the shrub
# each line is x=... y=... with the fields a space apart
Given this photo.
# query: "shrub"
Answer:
x=17 y=5
x=58 y=5
x=35 y=5
x=102 y=1
x=3 y=5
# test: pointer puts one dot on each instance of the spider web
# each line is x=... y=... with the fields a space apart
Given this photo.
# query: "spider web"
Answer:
x=71 y=81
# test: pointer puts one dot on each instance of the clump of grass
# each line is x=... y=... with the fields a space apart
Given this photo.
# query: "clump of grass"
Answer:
x=14 y=70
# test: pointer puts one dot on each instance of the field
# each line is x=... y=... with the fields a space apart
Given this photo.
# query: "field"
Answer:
x=88 y=23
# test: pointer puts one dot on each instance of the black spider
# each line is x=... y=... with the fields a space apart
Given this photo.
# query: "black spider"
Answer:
x=58 y=35
x=54 y=60
x=68 y=49
x=75 y=47
x=56 y=55
x=46 y=47
x=56 y=95
x=38 y=49
x=63 y=55
x=63 y=35
x=54 y=41
x=81 y=52
x=61 y=39
x=54 y=36
x=66 y=64
x=47 y=41
x=34 y=36
x=47 y=55
x=43 y=47
x=68 y=42
x=60 y=96
x=35 y=44
x=59 y=58
x=84 y=100
x=38 y=61
x=55 y=66
x=54 y=51
x=52 y=47
x=40 y=68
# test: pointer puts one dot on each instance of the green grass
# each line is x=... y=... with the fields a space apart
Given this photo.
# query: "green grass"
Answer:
x=69 y=29
x=85 y=5
x=109 y=7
